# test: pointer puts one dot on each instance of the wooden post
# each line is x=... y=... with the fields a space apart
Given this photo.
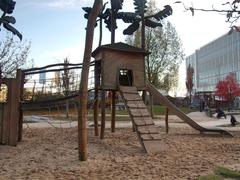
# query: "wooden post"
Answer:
x=151 y=105
x=1 y=120
x=103 y=115
x=21 y=78
x=113 y=111
x=6 y=117
x=67 y=109
x=14 y=109
x=83 y=92
x=144 y=96
x=166 y=121
x=95 y=114
x=58 y=110
x=133 y=127
x=143 y=31
x=113 y=24
x=113 y=106
x=97 y=73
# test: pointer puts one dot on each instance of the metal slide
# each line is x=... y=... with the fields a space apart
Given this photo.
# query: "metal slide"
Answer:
x=163 y=100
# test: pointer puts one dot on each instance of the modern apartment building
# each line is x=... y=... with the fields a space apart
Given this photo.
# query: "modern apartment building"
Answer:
x=214 y=61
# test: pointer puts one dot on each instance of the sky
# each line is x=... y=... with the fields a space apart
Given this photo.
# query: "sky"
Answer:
x=56 y=28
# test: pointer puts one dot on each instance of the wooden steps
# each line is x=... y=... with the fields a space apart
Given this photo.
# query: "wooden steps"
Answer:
x=143 y=121
x=148 y=133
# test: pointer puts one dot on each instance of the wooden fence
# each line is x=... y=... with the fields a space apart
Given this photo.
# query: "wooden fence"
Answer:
x=10 y=111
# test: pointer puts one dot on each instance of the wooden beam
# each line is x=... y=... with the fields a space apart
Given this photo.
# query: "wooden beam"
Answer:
x=133 y=126
x=49 y=66
x=21 y=79
x=51 y=70
x=53 y=65
x=1 y=120
x=6 y=119
x=97 y=72
x=103 y=115
x=5 y=126
x=83 y=93
x=14 y=102
x=113 y=111
x=95 y=114
x=151 y=105
x=166 y=121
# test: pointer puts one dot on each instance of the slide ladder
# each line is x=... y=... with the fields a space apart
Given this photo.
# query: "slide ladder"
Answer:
x=164 y=101
x=148 y=132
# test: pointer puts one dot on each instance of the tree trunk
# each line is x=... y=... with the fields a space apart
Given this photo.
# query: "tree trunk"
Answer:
x=83 y=93
x=143 y=32
x=113 y=24
x=100 y=33
x=190 y=97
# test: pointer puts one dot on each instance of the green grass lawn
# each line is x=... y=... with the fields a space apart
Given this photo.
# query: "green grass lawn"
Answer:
x=221 y=173
x=161 y=110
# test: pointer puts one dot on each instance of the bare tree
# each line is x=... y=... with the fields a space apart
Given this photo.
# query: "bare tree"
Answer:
x=68 y=79
x=13 y=55
x=57 y=81
x=230 y=9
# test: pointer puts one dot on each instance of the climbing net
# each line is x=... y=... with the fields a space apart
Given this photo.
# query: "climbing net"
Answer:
x=54 y=88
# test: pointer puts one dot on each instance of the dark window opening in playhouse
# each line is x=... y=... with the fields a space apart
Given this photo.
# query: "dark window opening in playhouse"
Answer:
x=3 y=93
x=125 y=77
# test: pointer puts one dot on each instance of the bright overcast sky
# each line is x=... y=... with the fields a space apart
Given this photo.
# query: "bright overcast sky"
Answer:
x=56 y=28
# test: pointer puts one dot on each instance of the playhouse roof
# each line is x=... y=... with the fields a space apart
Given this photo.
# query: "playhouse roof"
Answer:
x=120 y=47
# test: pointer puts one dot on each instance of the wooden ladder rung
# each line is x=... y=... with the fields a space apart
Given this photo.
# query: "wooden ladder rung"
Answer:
x=136 y=104
x=143 y=121
x=128 y=89
x=131 y=97
x=139 y=112
x=148 y=129
x=150 y=137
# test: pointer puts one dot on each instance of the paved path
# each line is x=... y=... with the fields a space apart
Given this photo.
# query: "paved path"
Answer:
x=201 y=118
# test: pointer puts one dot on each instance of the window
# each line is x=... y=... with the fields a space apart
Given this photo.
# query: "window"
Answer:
x=125 y=77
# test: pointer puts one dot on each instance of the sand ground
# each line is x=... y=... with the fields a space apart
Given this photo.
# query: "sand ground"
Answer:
x=51 y=153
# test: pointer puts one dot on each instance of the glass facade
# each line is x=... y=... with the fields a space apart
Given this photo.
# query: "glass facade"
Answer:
x=214 y=61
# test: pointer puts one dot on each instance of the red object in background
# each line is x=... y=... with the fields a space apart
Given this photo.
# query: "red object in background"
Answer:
x=228 y=88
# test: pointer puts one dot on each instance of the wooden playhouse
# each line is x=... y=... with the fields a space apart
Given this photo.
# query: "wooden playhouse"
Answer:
x=121 y=67
x=119 y=64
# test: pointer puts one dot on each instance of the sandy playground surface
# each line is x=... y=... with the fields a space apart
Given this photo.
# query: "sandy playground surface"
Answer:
x=51 y=153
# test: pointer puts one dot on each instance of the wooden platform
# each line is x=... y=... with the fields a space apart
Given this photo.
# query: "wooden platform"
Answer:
x=148 y=133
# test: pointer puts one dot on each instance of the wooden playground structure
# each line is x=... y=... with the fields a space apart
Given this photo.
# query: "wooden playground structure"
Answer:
x=11 y=111
x=117 y=67
x=120 y=67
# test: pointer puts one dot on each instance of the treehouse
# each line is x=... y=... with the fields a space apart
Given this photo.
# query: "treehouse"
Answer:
x=119 y=64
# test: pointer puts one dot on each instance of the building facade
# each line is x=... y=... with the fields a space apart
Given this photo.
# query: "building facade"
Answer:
x=214 y=61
